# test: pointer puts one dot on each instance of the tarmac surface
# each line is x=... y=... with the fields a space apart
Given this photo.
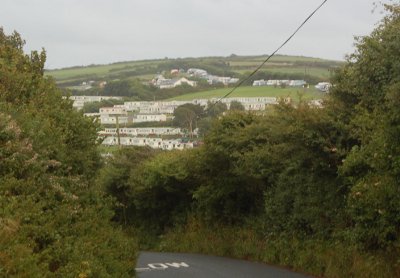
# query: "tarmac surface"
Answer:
x=179 y=265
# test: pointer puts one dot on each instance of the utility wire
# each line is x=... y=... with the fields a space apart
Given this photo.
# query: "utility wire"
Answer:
x=270 y=56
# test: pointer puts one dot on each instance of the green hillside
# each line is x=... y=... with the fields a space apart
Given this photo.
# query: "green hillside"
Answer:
x=98 y=70
x=306 y=67
x=130 y=79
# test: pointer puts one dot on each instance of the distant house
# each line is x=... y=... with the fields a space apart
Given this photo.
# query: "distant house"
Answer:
x=197 y=72
x=174 y=71
x=153 y=107
x=102 y=84
x=164 y=83
x=140 y=118
x=175 y=144
x=142 y=131
x=79 y=101
x=155 y=143
x=136 y=105
x=212 y=79
x=133 y=141
x=115 y=110
x=112 y=115
x=183 y=80
x=261 y=82
x=251 y=103
x=297 y=83
x=291 y=83
x=323 y=86
x=112 y=120
x=159 y=111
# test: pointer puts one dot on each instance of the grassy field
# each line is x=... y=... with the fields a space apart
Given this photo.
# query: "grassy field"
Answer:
x=307 y=66
x=263 y=91
x=97 y=70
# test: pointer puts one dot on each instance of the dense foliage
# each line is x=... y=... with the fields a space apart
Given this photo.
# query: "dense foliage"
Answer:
x=53 y=221
x=368 y=93
x=329 y=176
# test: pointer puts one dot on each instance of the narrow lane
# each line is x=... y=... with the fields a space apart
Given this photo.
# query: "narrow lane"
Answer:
x=179 y=265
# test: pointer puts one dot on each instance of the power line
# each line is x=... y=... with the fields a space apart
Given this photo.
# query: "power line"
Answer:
x=273 y=53
x=266 y=60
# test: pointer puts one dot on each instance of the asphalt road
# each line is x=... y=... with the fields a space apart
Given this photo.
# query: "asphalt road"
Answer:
x=177 y=265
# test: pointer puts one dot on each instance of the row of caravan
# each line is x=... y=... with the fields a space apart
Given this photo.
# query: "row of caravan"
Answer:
x=155 y=143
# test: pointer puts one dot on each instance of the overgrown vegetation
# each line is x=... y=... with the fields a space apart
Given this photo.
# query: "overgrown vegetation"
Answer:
x=311 y=188
x=54 y=222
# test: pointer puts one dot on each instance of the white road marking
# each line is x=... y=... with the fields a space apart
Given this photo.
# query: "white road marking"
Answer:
x=177 y=265
x=161 y=266
x=158 y=266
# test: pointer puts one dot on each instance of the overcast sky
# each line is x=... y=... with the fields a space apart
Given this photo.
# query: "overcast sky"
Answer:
x=82 y=32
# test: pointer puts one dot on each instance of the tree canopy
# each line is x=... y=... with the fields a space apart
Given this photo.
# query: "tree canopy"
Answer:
x=187 y=116
x=236 y=105
x=366 y=98
x=53 y=221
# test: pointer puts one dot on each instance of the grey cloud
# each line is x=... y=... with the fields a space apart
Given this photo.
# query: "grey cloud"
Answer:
x=78 y=32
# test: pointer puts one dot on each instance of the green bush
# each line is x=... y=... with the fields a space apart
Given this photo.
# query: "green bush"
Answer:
x=153 y=189
x=54 y=222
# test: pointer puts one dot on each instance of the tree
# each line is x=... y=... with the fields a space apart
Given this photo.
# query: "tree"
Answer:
x=153 y=188
x=366 y=98
x=236 y=105
x=187 y=115
x=54 y=221
x=215 y=109
x=226 y=193
x=118 y=88
x=204 y=125
x=115 y=179
x=299 y=162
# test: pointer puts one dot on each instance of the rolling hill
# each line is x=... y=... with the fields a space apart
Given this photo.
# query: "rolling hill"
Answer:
x=129 y=78
x=238 y=65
